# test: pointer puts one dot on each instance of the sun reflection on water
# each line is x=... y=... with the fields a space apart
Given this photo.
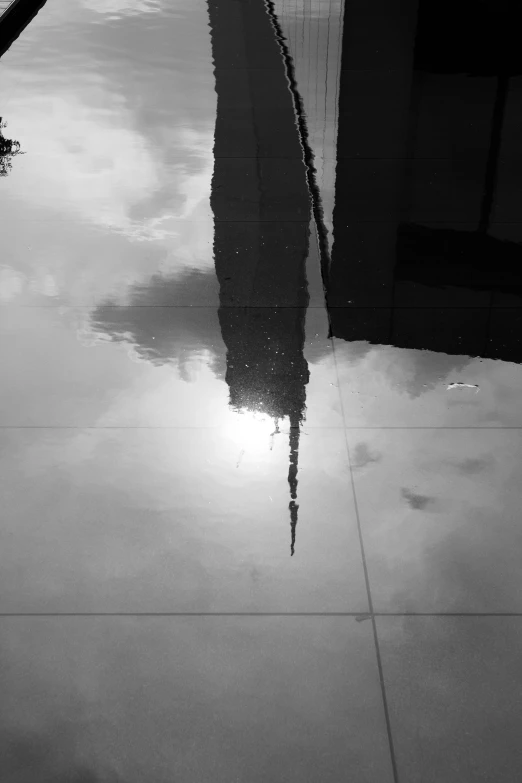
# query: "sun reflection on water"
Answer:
x=252 y=431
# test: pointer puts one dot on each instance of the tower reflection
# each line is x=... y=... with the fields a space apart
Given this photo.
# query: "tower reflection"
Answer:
x=261 y=206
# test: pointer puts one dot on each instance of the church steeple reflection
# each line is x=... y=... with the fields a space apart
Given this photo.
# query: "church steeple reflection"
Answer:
x=262 y=210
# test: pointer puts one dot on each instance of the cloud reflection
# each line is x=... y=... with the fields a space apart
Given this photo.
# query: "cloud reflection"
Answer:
x=116 y=180
x=88 y=163
x=110 y=10
x=118 y=8
x=170 y=334
x=87 y=157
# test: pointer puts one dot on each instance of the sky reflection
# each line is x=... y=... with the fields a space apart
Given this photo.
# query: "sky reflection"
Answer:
x=99 y=161
x=171 y=397
x=113 y=202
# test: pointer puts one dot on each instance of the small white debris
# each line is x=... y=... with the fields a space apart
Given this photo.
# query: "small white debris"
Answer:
x=464 y=386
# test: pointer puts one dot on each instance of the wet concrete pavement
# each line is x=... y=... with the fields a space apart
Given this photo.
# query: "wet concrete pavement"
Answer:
x=261 y=429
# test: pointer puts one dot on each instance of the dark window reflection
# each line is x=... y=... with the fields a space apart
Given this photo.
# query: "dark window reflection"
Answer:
x=427 y=225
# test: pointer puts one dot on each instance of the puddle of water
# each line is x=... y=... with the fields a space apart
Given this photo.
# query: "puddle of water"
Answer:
x=175 y=394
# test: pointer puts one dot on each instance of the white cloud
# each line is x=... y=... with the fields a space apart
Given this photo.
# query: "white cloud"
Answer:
x=72 y=10
x=125 y=188
x=81 y=158
x=86 y=157
x=88 y=165
x=115 y=8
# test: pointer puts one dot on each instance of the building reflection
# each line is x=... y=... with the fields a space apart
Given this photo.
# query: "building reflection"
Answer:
x=427 y=238
x=313 y=32
x=261 y=206
x=426 y=251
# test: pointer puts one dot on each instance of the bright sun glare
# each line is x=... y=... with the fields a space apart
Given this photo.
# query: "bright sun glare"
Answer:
x=251 y=430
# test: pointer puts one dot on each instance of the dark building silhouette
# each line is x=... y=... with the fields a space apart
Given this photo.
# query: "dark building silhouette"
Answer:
x=14 y=21
x=262 y=211
x=427 y=223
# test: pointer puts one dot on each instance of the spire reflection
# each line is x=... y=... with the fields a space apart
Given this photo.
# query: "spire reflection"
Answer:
x=261 y=206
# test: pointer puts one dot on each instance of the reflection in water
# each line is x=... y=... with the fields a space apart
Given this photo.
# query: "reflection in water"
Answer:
x=167 y=334
x=313 y=33
x=120 y=517
x=308 y=151
x=449 y=256
x=450 y=272
x=266 y=369
x=259 y=260
x=261 y=207
x=424 y=214
x=115 y=185
x=9 y=148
